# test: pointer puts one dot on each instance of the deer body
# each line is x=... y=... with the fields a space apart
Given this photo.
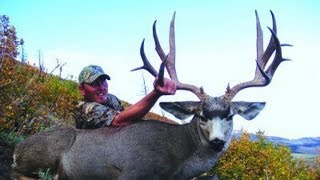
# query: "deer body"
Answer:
x=166 y=151
x=129 y=154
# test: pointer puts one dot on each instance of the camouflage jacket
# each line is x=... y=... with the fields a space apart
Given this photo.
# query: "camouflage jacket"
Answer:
x=92 y=115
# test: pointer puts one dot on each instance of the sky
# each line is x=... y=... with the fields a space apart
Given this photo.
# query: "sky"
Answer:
x=215 y=42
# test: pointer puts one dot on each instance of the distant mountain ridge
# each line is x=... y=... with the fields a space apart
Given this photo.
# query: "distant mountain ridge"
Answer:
x=306 y=145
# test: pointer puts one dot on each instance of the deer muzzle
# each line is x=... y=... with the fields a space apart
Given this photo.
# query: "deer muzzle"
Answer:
x=217 y=144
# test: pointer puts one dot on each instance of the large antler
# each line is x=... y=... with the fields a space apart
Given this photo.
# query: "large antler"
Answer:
x=262 y=77
x=168 y=61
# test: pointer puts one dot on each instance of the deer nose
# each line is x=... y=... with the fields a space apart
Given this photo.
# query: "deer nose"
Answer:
x=217 y=144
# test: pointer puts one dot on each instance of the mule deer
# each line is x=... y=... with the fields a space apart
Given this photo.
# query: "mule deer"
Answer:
x=155 y=150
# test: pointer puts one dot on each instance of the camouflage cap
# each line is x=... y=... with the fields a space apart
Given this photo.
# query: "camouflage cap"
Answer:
x=91 y=73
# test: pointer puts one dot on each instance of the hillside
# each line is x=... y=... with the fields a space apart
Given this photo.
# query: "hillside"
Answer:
x=306 y=145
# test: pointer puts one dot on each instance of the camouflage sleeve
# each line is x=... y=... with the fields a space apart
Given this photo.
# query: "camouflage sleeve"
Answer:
x=91 y=115
x=114 y=102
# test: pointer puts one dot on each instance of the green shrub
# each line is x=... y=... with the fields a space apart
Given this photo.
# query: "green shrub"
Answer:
x=10 y=137
x=45 y=175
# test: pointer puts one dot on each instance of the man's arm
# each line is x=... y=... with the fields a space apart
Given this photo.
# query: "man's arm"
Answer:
x=142 y=107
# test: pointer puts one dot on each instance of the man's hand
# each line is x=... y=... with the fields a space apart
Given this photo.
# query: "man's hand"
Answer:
x=169 y=87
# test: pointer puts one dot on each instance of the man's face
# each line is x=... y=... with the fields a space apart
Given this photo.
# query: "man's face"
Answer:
x=96 y=91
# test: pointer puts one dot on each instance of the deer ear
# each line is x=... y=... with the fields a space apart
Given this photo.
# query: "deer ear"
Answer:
x=181 y=110
x=247 y=110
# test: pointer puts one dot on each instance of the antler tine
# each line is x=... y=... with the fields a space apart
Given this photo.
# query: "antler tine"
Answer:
x=146 y=64
x=259 y=42
x=262 y=78
x=158 y=47
x=278 y=56
x=170 y=64
x=263 y=57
